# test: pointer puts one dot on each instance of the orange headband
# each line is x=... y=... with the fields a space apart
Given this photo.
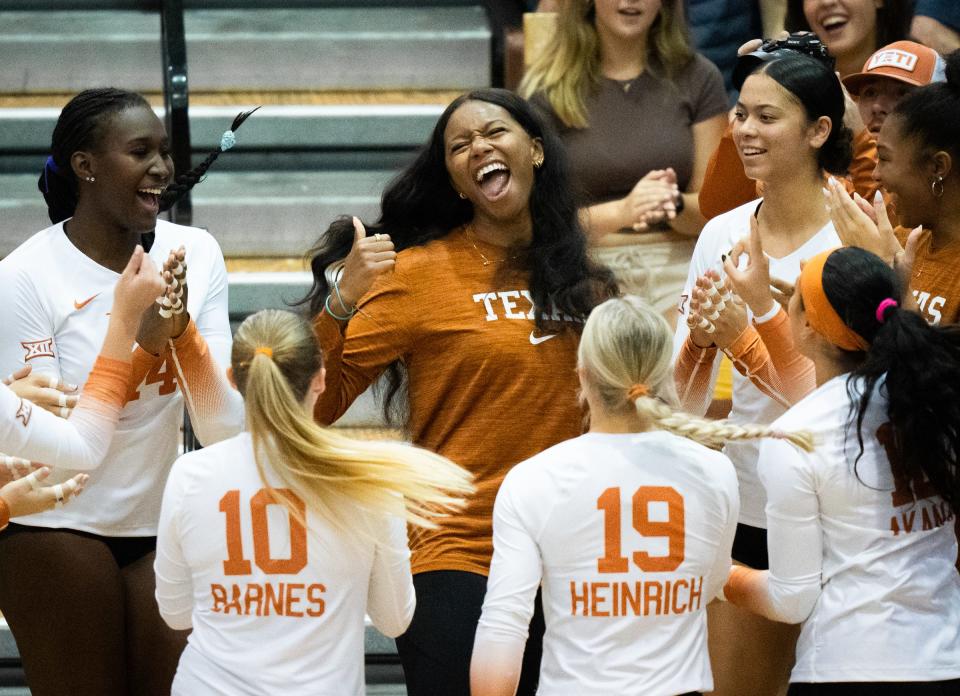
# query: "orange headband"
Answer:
x=637 y=390
x=821 y=315
x=265 y=350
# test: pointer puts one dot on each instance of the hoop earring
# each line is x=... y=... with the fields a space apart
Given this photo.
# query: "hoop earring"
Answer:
x=462 y=195
x=936 y=188
x=538 y=161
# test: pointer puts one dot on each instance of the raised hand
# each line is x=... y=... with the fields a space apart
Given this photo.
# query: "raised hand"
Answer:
x=138 y=287
x=752 y=283
x=856 y=227
x=26 y=496
x=161 y=321
x=369 y=258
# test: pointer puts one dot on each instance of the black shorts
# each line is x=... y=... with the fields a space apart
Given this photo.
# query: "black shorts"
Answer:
x=750 y=547
x=125 y=550
x=937 y=688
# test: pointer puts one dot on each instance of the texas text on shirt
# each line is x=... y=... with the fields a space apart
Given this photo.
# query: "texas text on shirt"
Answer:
x=935 y=282
x=56 y=320
x=750 y=405
x=276 y=608
x=853 y=552
x=631 y=534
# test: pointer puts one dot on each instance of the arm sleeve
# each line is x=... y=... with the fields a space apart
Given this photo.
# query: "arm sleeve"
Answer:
x=795 y=373
x=214 y=419
x=725 y=186
x=695 y=369
x=750 y=356
x=215 y=407
x=515 y=574
x=374 y=338
x=790 y=589
x=79 y=443
x=174 y=580
x=390 y=595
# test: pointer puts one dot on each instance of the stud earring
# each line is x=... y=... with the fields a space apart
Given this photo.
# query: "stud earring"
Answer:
x=538 y=161
x=91 y=179
x=936 y=188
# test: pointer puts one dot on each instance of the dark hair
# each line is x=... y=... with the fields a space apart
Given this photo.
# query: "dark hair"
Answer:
x=931 y=113
x=818 y=90
x=420 y=205
x=919 y=366
x=893 y=20
x=81 y=126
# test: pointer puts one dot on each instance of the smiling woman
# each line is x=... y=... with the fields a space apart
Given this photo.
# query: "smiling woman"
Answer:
x=76 y=584
x=482 y=304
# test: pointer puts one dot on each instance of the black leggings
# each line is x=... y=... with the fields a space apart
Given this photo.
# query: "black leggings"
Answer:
x=436 y=649
x=82 y=610
x=938 y=688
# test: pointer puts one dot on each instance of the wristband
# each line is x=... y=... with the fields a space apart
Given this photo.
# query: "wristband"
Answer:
x=768 y=315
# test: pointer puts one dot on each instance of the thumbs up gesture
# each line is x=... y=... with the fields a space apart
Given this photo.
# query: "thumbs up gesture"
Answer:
x=369 y=258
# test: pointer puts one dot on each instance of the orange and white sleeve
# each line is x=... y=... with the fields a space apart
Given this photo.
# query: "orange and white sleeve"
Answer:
x=693 y=374
x=765 y=355
x=215 y=407
x=80 y=443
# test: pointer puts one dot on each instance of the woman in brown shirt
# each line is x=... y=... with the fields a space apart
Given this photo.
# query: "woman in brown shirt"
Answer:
x=475 y=282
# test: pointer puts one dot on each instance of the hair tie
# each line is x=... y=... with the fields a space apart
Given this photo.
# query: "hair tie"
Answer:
x=637 y=390
x=265 y=350
x=49 y=166
x=884 y=306
x=227 y=140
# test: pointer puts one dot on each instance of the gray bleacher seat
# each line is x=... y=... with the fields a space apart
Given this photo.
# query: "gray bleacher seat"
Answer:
x=353 y=48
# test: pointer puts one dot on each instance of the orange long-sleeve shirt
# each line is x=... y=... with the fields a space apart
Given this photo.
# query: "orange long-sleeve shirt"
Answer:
x=486 y=389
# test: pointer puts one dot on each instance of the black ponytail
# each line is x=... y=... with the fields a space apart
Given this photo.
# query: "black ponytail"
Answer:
x=919 y=365
x=184 y=182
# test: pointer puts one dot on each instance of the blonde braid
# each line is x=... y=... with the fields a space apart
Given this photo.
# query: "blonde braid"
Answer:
x=713 y=433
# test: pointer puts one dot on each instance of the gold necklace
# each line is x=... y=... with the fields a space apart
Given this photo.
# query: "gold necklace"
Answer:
x=471 y=236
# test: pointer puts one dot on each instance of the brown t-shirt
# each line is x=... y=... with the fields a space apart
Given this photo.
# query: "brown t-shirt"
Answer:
x=486 y=388
x=639 y=125
x=935 y=282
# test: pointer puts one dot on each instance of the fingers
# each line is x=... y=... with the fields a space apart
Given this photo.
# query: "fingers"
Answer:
x=133 y=264
x=749 y=47
x=865 y=206
x=755 y=242
x=33 y=479
x=359 y=232
x=19 y=373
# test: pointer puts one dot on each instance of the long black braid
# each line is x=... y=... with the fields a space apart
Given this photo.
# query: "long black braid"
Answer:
x=81 y=127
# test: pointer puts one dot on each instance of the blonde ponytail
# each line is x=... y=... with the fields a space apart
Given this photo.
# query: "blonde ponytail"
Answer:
x=275 y=360
x=624 y=358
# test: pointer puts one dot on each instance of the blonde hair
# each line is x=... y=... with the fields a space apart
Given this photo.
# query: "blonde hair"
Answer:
x=275 y=358
x=571 y=64
x=624 y=360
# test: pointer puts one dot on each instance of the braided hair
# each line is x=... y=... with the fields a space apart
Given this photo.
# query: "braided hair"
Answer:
x=81 y=126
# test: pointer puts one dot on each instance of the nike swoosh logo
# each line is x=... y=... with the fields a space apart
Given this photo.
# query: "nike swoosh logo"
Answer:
x=81 y=305
x=536 y=340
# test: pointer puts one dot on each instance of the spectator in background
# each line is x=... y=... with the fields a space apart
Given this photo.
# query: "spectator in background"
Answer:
x=614 y=77
x=936 y=23
x=851 y=29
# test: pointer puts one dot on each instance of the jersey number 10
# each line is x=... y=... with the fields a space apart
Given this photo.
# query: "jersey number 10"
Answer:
x=236 y=564
x=672 y=528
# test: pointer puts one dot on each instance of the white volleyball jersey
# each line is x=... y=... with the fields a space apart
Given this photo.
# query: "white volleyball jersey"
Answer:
x=55 y=318
x=870 y=554
x=750 y=405
x=276 y=607
x=631 y=536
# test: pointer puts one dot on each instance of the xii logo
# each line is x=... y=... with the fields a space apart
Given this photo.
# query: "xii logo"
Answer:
x=38 y=349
